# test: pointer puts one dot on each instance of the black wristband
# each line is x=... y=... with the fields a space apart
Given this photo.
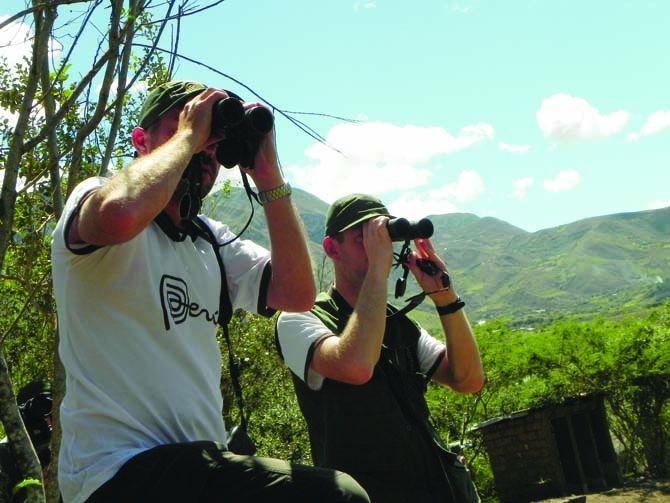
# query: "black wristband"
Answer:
x=450 y=308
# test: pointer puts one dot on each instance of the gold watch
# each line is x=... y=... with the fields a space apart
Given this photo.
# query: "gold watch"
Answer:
x=266 y=196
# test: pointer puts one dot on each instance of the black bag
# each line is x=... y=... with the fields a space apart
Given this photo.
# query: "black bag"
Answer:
x=462 y=486
x=239 y=441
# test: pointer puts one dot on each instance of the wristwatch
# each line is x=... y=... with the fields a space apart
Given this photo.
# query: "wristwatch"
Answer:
x=266 y=196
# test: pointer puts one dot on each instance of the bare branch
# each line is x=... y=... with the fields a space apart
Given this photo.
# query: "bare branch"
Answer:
x=85 y=81
x=65 y=107
x=186 y=12
x=314 y=134
x=152 y=48
x=175 y=46
x=16 y=150
x=103 y=95
x=36 y=8
x=293 y=120
x=66 y=60
x=345 y=119
x=120 y=89
x=52 y=140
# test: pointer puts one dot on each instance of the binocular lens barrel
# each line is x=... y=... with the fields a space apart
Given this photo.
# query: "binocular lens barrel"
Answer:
x=227 y=112
x=401 y=229
x=243 y=131
x=230 y=112
x=260 y=119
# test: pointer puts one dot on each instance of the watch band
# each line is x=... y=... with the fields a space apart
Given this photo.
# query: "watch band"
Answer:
x=450 y=308
x=266 y=196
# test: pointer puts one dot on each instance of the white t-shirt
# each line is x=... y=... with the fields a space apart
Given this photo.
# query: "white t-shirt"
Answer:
x=137 y=324
x=298 y=332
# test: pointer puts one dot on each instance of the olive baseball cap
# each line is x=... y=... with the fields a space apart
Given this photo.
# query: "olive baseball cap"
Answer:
x=351 y=210
x=165 y=97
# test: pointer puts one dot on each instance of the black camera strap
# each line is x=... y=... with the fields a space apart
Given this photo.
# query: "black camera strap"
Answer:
x=225 y=315
x=401 y=261
x=401 y=282
x=250 y=193
x=234 y=369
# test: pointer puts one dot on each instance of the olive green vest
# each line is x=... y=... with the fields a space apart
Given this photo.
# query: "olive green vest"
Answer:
x=385 y=443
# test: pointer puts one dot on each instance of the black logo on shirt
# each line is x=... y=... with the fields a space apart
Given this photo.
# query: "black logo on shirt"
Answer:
x=177 y=305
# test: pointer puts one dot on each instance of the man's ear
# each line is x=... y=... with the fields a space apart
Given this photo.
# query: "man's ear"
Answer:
x=139 y=137
x=330 y=246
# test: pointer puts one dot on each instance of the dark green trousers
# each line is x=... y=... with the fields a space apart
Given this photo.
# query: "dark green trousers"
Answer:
x=205 y=472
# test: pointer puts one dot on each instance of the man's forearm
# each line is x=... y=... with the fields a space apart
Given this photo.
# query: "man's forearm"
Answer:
x=465 y=371
x=366 y=326
x=292 y=285
x=352 y=356
x=132 y=198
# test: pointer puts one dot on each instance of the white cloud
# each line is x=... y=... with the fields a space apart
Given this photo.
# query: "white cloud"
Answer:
x=137 y=87
x=378 y=157
x=565 y=117
x=438 y=201
x=565 y=180
x=656 y=123
x=16 y=43
x=461 y=9
x=364 y=5
x=468 y=186
x=413 y=205
x=513 y=149
x=20 y=181
x=11 y=117
x=520 y=187
x=658 y=204
x=465 y=7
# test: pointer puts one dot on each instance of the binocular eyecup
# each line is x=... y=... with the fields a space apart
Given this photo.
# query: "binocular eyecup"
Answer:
x=243 y=130
x=401 y=229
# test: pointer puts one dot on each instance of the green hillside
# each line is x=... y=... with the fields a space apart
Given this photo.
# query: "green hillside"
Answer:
x=602 y=265
x=234 y=209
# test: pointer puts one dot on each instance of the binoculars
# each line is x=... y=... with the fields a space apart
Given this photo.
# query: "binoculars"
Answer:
x=243 y=130
x=401 y=229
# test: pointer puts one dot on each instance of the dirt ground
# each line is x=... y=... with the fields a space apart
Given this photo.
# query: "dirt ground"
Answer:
x=653 y=491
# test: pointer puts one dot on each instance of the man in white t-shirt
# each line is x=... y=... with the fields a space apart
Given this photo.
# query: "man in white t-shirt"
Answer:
x=139 y=290
x=360 y=367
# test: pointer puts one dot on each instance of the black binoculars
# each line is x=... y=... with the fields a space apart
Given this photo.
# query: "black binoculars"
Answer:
x=401 y=229
x=243 y=130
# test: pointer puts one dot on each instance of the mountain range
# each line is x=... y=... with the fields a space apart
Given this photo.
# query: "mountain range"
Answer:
x=604 y=265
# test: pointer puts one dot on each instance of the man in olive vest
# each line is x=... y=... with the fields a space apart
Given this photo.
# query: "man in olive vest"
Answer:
x=360 y=367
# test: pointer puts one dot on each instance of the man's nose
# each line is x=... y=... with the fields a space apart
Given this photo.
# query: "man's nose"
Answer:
x=210 y=148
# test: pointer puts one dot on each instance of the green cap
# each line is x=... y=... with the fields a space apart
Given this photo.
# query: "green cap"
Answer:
x=351 y=210
x=165 y=97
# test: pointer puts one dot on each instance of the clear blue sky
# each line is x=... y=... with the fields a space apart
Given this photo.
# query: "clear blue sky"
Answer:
x=535 y=112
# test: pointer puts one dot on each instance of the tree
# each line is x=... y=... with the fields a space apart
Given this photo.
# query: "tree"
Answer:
x=63 y=130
